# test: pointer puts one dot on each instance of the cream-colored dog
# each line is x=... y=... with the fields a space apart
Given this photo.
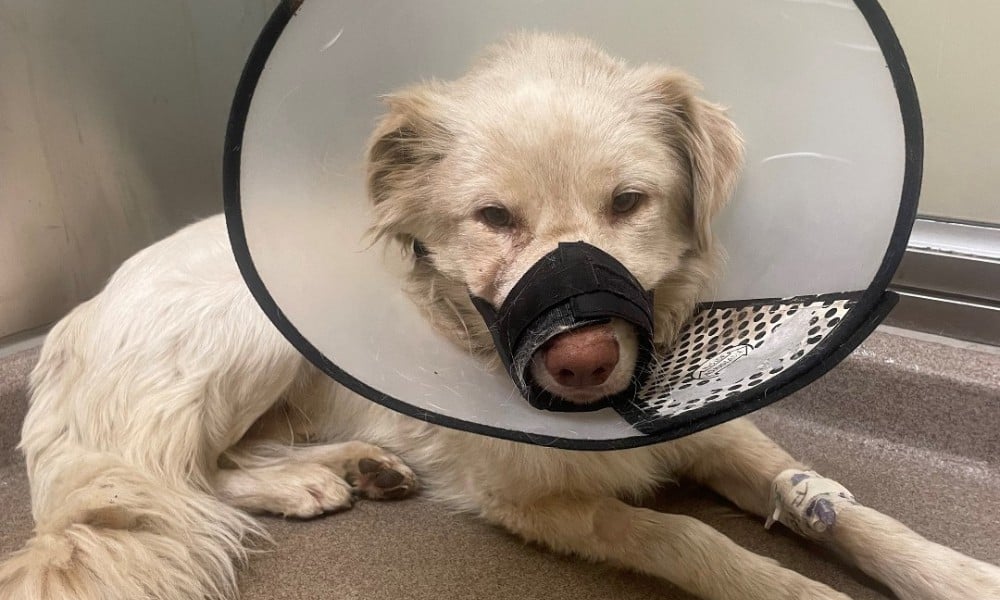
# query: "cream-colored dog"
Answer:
x=168 y=407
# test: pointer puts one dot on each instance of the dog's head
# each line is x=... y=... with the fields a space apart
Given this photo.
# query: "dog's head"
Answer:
x=547 y=139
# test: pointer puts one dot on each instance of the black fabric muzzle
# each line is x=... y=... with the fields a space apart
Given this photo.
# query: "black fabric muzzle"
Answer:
x=573 y=286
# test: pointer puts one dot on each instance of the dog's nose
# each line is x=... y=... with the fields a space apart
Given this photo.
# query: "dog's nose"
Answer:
x=583 y=357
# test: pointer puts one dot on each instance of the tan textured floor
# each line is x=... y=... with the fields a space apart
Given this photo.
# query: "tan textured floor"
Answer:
x=911 y=427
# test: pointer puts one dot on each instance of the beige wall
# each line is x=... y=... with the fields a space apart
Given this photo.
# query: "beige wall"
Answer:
x=112 y=116
x=954 y=53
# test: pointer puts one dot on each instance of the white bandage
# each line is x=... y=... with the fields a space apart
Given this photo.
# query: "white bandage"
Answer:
x=806 y=502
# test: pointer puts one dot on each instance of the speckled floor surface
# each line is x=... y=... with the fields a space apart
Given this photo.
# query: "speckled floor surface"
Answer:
x=912 y=427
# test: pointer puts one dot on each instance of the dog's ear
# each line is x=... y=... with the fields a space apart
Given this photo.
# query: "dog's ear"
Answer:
x=711 y=143
x=408 y=139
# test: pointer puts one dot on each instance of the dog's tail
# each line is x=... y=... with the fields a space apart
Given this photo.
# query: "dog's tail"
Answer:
x=119 y=533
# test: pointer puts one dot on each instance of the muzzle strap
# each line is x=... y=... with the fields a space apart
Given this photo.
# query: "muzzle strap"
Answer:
x=574 y=285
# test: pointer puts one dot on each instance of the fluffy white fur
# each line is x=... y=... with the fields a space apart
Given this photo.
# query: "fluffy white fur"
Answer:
x=168 y=407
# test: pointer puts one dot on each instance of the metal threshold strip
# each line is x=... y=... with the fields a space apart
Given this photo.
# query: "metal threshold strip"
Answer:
x=949 y=281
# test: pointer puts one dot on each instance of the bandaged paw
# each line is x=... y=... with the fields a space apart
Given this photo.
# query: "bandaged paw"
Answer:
x=807 y=503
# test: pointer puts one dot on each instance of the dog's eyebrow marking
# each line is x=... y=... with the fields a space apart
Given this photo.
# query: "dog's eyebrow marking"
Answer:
x=333 y=41
x=807 y=155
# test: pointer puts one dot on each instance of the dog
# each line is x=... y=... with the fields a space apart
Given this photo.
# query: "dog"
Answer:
x=167 y=410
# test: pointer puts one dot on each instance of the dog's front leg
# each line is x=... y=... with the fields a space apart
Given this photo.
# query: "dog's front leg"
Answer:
x=677 y=548
x=912 y=566
x=740 y=462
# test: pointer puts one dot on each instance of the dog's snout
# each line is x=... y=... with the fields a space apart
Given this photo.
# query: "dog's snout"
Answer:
x=583 y=357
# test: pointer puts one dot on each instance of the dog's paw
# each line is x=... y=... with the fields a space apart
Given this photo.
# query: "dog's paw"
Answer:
x=311 y=490
x=380 y=475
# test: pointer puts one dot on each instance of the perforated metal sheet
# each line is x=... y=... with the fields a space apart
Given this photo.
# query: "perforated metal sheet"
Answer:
x=733 y=348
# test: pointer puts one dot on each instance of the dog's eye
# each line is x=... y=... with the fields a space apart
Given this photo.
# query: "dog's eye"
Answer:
x=626 y=202
x=496 y=216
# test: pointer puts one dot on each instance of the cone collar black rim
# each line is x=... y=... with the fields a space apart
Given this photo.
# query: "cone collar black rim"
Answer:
x=870 y=305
